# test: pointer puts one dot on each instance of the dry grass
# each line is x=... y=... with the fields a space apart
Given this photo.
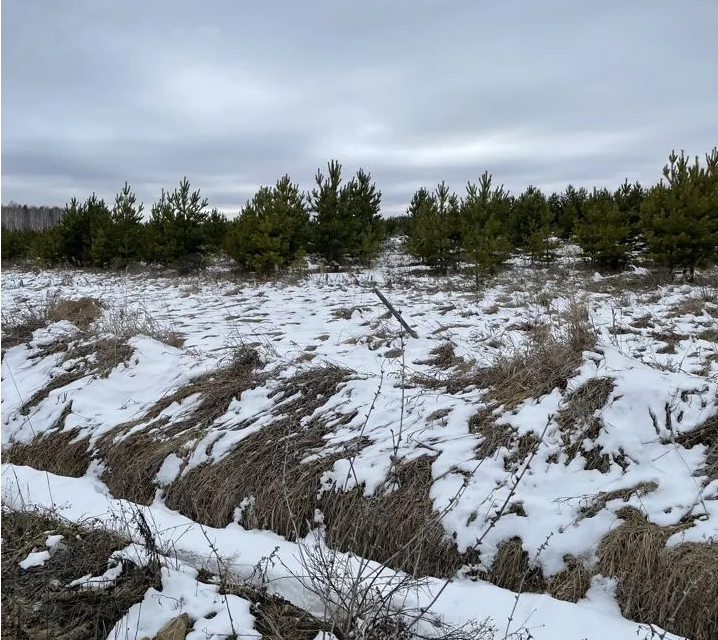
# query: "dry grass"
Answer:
x=268 y=465
x=572 y=583
x=674 y=587
x=277 y=618
x=579 y=423
x=444 y=357
x=56 y=451
x=94 y=358
x=710 y=335
x=398 y=527
x=36 y=604
x=707 y=435
x=687 y=307
x=132 y=461
x=546 y=362
x=18 y=328
x=513 y=570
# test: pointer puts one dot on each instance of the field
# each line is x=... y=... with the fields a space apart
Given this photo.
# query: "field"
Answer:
x=282 y=458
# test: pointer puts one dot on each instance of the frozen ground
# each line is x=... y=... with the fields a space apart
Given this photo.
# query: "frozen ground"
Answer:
x=657 y=345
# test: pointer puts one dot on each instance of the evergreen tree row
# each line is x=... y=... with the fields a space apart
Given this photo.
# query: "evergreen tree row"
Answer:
x=338 y=220
x=674 y=223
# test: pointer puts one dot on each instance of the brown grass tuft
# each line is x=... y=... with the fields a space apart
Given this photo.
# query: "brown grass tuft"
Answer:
x=707 y=435
x=267 y=467
x=54 y=451
x=81 y=312
x=674 y=587
x=398 y=527
x=546 y=362
x=37 y=604
x=578 y=422
x=132 y=461
x=512 y=569
x=572 y=583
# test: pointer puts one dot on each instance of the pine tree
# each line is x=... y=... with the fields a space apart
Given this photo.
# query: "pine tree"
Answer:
x=629 y=198
x=332 y=225
x=436 y=228
x=126 y=230
x=484 y=213
x=604 y=231
x=272 y=229
x=573 y=203
x=362 y=202
x=82 y=232
x=176 y=224
x=680 y=216
x=530 y=224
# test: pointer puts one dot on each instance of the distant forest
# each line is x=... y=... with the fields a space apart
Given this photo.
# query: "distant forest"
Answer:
x=16 y=216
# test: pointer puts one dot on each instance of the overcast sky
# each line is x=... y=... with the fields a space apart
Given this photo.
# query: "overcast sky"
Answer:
x=234 y=94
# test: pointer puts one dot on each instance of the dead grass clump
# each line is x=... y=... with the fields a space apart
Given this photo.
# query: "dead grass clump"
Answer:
x=37 y=603
x=602 y=498
x=276 y=618
x=512 y=569
x=579 y=424
x=572 y=583
x=710 y=335
x=398 y=527
x=81 y=312
x=443 y=356
x=671 y=339
x=494 y=436
x=98 y=358
x=687 y=307
x=707 y=435
x=132 y=461
x=267 y=471
x=674 y=587
x=56 y=451
x=546 y=362
x=644 y=322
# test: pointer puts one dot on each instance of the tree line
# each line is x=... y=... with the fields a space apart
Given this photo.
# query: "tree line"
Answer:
x=674 y=223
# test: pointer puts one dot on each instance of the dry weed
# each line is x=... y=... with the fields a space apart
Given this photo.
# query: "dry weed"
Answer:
x=398 y=527
x=705 y=434
x=267 y=468
x=36 y=603
x=674 y=587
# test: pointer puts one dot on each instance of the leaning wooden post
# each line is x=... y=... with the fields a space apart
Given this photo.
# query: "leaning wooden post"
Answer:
x=395 y=313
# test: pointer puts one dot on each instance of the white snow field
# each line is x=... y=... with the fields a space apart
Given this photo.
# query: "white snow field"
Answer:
x=502 y=465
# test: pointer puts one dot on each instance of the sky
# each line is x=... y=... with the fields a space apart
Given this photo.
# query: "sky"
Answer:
x=235 y=94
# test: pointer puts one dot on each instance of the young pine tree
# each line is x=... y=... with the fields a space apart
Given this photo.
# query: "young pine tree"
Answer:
x=82 y=232
x=629 y=198
x=573 y=202
x=362 y=202
x=271 y=231
x=604 y=231
x=484 y=213
x=680 y=216
x=126 y=229
x=530 y=222
x=436 y=228
x=176 y=224
x=332 y=223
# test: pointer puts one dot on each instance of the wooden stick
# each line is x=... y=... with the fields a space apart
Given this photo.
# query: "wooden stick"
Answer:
x=395 y=313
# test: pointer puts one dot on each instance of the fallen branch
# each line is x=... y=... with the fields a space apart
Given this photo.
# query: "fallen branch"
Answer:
x=395 y=313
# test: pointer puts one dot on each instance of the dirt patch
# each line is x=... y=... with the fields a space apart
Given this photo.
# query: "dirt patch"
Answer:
x=38 y=603
x=673 y=587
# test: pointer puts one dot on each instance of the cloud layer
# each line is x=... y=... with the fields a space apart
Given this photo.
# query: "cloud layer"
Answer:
x=235 y=94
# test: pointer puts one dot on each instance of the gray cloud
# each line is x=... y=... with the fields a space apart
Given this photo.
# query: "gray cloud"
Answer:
x=234 y=95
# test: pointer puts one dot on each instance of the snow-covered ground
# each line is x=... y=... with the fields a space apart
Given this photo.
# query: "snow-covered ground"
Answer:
x=657 y=345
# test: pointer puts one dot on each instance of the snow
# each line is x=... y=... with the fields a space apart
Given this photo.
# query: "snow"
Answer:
x=657 y=396
x=34 y=559
x=242 y=550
